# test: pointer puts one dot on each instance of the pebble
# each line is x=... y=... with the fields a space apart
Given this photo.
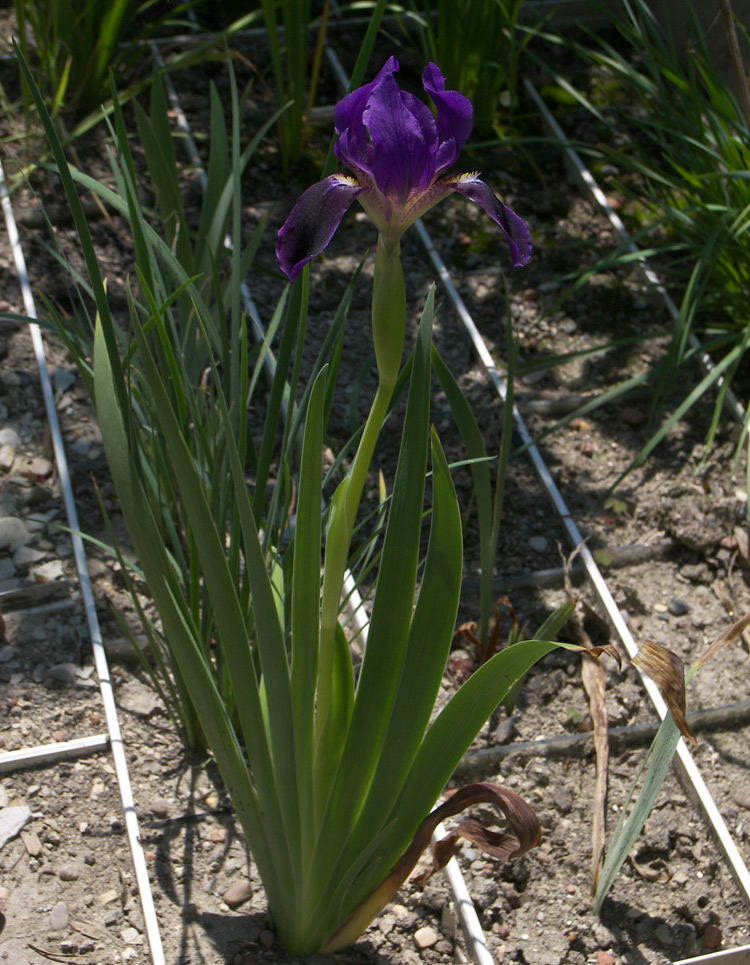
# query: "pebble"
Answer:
x=63 y=379
x=9 y=437
x=159 y=808
x=538 y=543
x=605 y=958
x=741 y=797
x=7 y=457
x=632 y=416
x=563 y=798
x=68 y=947
x=69 y=871
x=64 y=673
x=59 y=918
x=26 y=556
x=712 y=937
x=7 y=653
x=13 y=533
x=7 y=569
x=663 y=934
x=131 y=936
x=267 y=938
x=678 y=607
x=49 y=572
x=426 y=937
x=237 y=893
x=12 y=819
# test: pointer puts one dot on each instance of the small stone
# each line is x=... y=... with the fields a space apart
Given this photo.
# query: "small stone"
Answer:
x=7 y=653
x=13 y=533
x=49 y=572
x=538 y=543
x=9 y=437
x=87 y=946
x=267 y=938
x=563 y=799
x=38 y=467
x=136 y=698
x=63 y=673
x=69 y=871
x=59 y=918
x=632 y=416
x=663 y=934
x=63 y=379
x=712 y=937
x=31 y=842
x=159 y=807
x=7 y=457
x=426 y=937
x=741 y=797
x=217 y=835
x=26 y=556
x=237 y=893
x=131 y=936
x=660 y=608
x=68 y=947
x=678 y=607
x=12 y=819
x=605 y=958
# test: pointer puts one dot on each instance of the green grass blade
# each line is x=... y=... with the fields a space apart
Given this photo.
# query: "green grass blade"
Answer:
x=656 y=764
x=305 y=615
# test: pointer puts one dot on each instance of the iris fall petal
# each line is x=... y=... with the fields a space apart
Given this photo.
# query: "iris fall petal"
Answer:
x=313 y=221
x=515 y=228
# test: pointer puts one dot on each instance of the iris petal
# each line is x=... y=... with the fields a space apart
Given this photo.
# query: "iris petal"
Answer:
x=455 y=116
x=352 y=147
x=404 y=141
x=313 y=221
x=515 y=228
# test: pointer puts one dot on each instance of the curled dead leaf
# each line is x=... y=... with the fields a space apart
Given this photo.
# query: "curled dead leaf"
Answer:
x=655 y=870
x=667 y=671
x=527 y=834
x=520 y=815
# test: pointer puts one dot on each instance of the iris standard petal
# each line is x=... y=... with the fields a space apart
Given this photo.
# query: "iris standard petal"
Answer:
x=455 y=116
x=515 y=228
x=404 y=141
x=314 y=219
x=352 y=147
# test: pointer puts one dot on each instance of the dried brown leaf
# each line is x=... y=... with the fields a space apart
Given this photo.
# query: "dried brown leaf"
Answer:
x=743 y=542
x=727 y=637
x=594 y=682
x=520 y=815
x=527 y=833
x=666 y=670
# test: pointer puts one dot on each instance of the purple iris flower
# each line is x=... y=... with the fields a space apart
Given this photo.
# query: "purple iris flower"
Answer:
x=398 y=149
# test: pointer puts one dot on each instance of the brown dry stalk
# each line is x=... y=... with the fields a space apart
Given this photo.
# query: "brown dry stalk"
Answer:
x=736 y=57
x=595 y=684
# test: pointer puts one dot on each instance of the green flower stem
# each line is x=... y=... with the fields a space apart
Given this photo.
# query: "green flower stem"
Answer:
x=388 y=323
x=388 y=309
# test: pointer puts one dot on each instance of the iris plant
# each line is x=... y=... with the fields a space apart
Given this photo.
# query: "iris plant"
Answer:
x=333 y=775
x=374 y=764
